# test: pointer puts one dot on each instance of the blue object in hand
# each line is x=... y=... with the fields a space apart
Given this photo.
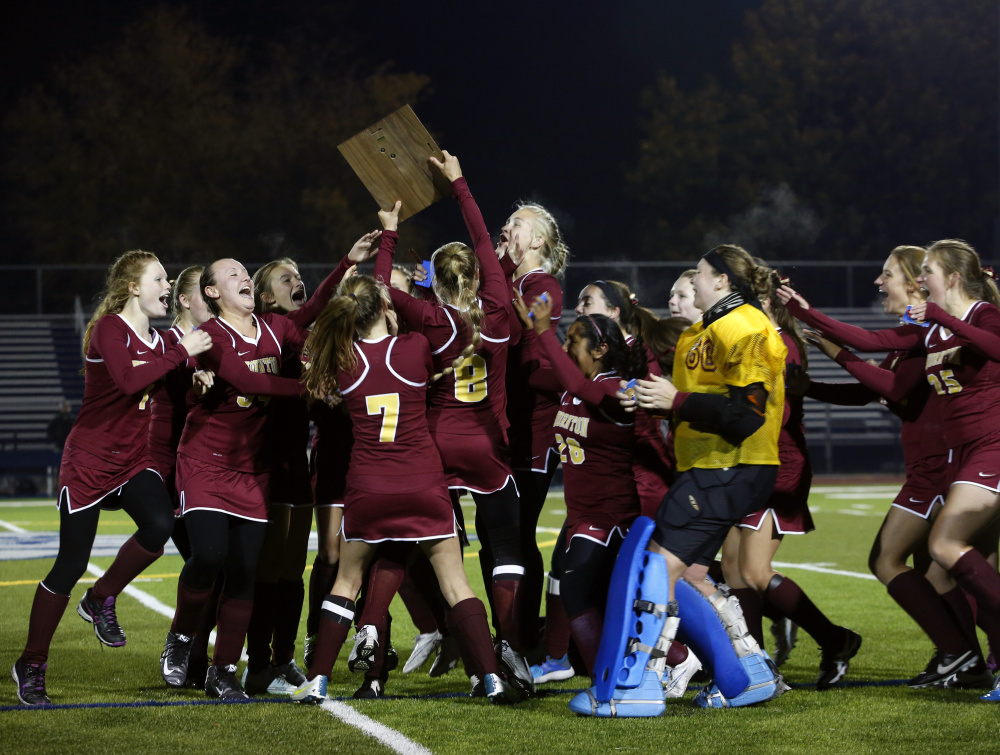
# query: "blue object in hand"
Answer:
x=429 y=280
x=911 y=321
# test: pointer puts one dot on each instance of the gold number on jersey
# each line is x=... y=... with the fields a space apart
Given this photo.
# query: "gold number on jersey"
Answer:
x=947 y=384
x=576 y=454
x=386 y=404
x=245 y=402
x=145 y=399
x=470 y=380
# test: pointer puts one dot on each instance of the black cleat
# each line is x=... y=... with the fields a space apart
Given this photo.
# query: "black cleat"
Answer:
x=222 y=683
x=104 y=619
x=175 y=658
x=836 y=660
x=30 y=681
x=942 y=668
x=371 y=689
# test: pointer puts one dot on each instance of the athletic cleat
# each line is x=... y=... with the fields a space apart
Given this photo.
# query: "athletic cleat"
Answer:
x=221 y=682
x=835 y=661
x=258 y=682
x=424 y=646
x=447 y=657
x=993 y=696
x=104 y=619
x=391 y=659
x=494 y=689
x=644 y=701
x=765 y=684
x=30 y=681
x=478 y=686
x=290 y=675
x=313 y=692
x=513 y=666
x=308 y=647
x=175 y=659
x=553 y=670
x=362 y=657
x=371 y=689
x=786 y=634
x=942 y=668
x=977 y=676
x=680 y=676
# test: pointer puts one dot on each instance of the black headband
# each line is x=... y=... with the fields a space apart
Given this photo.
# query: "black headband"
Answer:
x=611 y=295
x=736 y=283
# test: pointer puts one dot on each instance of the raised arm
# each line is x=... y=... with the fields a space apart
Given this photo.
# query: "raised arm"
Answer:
x=902 y=338
x=308 y=312
x=895 y=385
x=982 y=337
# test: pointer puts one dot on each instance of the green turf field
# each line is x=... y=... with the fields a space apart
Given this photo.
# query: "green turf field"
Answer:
x=869 y=714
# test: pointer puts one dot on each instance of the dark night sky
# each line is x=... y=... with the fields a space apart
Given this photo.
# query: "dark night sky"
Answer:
x=540 y=100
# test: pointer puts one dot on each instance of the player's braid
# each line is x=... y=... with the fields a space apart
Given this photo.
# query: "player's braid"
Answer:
x=454 y=281
x=114 y=296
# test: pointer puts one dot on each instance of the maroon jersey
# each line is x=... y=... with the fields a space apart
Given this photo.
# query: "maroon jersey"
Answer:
x=124 y=371
x=792 y=437
x=386 y=394
x=958 y=371
x=471 y=398
x=652 y=462
x=530 y=411
x=595 y=439
x=226 y=427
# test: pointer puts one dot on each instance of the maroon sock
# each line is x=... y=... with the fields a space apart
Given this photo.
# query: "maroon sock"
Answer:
x=417 y=606
x=232 y=620
x=915 y=595
x=199 y=643
x=750 y=602
x=961 y=612
x=291 y=594
x=790 y=601
x=384 y=577
x=320 y=583
x=676 y=653
x=261 y=626
x=467 y=621
x=47 y=610
x=504 y=600
x=586 y=630
x=131 y=561
x=556 y=627
x=336 y=618
x=191 y=605
x=977 y=577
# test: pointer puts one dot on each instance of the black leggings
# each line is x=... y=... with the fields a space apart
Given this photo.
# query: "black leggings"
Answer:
x=585 y=572
x=223 y=543
x=144 y=498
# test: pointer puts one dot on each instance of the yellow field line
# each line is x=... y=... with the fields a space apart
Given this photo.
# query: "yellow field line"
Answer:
x=23 y=582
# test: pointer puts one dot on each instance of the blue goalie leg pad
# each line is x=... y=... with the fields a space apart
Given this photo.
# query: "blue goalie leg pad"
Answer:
x=765 y=684
x=702 y=629
x=643 y=701
x=612 y=666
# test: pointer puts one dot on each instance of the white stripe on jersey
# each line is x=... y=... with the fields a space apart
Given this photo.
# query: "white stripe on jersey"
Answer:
x=454 y=330
x=388 y=356
x=364 y=373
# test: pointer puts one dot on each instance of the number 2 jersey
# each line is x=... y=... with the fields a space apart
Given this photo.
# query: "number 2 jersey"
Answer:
x=965 y=378
x=225 y=428
x=386 y=394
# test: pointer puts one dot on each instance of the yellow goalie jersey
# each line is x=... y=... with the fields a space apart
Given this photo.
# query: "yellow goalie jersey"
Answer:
x=740 y=349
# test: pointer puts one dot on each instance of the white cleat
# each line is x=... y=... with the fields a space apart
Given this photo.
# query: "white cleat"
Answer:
x=313 y=692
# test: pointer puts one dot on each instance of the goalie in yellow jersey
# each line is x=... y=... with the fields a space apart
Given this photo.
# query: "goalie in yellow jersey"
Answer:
x=727 y=400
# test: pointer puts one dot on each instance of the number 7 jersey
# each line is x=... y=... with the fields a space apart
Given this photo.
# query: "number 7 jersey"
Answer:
x=386 y=394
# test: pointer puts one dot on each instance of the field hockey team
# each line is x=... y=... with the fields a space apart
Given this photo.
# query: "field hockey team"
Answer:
x=424 y=384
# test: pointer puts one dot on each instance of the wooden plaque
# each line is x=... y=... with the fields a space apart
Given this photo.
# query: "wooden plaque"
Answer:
x=390 y=158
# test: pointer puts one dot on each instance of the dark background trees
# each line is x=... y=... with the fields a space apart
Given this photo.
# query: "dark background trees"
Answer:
x=851 y=126
x=195 y=145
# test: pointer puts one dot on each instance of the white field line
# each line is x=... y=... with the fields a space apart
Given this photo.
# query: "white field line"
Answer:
x=822 y=570
x=391 y=738
x=12 y=527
